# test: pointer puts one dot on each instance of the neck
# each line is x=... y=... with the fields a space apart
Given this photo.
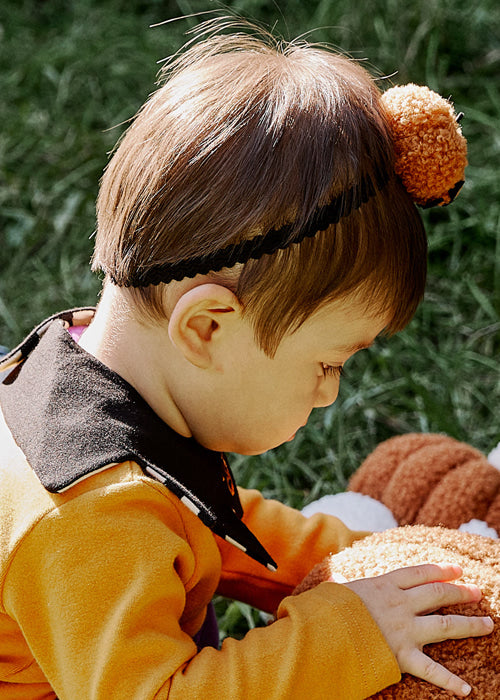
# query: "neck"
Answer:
x=136 y=350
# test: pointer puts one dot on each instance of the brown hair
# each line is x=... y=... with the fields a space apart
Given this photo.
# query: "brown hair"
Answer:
x=248 y=134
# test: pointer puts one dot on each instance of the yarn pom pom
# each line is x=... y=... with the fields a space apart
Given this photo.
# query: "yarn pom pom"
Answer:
x=430 y=150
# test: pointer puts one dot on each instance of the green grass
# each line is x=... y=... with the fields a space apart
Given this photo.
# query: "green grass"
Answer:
x=70 y=72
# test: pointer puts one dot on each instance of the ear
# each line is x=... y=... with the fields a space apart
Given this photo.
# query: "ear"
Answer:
x=198 y=320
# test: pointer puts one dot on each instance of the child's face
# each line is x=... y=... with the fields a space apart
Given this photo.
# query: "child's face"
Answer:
x=255 y=402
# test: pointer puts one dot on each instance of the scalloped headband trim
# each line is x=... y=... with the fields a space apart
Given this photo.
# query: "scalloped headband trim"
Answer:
x=262 y=244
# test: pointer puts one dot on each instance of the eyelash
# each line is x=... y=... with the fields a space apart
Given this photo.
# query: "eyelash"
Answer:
x=332 y=371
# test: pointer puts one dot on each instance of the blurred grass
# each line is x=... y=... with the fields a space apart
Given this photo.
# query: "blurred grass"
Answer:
x=70 y=72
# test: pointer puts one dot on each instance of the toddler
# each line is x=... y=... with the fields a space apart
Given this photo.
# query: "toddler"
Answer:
x=253 y=236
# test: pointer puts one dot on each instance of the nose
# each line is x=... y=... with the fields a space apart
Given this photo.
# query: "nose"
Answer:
x=326 y=394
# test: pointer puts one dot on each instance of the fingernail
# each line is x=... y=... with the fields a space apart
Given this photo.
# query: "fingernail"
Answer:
x=489 y=622
x=466 y=689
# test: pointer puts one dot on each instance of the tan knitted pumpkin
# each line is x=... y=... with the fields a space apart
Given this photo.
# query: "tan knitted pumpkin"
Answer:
x=475 y=660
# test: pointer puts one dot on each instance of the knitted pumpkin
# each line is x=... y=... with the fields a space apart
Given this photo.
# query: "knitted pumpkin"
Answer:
x=475 y=660
x=431 y=479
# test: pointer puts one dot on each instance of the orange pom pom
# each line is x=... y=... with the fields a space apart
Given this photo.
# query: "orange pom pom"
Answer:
x=430 y=149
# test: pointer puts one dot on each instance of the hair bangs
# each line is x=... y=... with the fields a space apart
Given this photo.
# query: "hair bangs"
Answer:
x=377 y=254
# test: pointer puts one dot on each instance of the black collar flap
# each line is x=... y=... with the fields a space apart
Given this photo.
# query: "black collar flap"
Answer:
x=72 y=416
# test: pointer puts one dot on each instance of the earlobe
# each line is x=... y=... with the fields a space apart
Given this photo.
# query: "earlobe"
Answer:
x=199 y=319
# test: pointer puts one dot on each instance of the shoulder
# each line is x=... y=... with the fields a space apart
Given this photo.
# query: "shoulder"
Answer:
x=120 y=493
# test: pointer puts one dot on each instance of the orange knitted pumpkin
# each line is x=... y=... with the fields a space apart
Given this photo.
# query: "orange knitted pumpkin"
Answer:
x=430 y=150
x=431 y=479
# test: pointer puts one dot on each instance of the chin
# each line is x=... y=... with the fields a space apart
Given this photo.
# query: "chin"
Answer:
x=239 y=447
x=250 y=451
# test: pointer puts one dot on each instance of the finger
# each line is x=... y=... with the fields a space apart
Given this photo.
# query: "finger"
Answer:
x=412 y=576
x=432 y=596
x=437 y=628
x=429 y=670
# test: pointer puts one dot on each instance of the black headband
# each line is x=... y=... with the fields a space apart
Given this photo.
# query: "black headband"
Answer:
x=263 y=244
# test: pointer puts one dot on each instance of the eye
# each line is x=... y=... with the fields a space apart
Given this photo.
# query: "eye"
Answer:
x=332 y=370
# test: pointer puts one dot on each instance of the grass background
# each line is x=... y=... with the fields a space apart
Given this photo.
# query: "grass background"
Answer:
x=72 y=73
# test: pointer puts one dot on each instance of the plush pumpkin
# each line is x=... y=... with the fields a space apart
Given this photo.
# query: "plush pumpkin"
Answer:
x=423 y=482
x=431 y=479
x=475 y=660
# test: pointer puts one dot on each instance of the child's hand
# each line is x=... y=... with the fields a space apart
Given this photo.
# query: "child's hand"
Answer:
x=400 y=602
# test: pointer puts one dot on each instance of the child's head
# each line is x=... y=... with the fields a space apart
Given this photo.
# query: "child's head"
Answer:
x=249 y=137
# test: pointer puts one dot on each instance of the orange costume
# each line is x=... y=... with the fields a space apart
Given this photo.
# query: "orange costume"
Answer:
x=115 y=533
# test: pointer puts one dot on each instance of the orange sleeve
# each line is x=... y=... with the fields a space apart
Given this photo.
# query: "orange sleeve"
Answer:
x=295 y=542
x=100 y=587
x=324 y=644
